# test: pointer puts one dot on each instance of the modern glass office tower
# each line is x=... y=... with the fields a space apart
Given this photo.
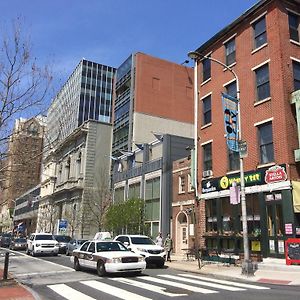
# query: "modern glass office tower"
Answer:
x=86 y=95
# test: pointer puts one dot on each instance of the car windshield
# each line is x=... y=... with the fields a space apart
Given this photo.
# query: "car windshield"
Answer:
x=142 y=241
x=20 y=240
x=63 y=238
x=6 y=235
x=110 y=246
x=44 y=237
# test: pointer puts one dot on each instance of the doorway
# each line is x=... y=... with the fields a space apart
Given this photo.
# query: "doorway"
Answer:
x=275 y=227
x=182 y=233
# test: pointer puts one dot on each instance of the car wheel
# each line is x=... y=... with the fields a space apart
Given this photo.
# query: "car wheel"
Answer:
x=101 y=268
x=27 y=251
x=76 y=264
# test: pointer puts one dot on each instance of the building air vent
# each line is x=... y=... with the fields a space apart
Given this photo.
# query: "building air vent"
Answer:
x=207 y=173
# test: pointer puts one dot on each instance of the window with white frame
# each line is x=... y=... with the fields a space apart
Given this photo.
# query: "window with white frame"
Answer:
x=206 y=69
x=181 y=183
x=233 y=160
x=294 y=27
x=206 y=105
x=260 y=32
x=230 y=52
x=262 y=82
x=265 y=142
x=207 y=157
x=231 y=89
x=296 y=73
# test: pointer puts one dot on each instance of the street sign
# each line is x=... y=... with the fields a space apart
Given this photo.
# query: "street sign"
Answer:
x=243 y=149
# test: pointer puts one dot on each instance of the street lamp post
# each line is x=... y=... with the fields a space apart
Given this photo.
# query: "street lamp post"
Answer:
x=247 y=266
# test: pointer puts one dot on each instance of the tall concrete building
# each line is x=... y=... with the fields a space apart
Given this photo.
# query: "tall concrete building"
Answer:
x=262 y=47
x=22 y=167
x=151 y=95
x=86 y=95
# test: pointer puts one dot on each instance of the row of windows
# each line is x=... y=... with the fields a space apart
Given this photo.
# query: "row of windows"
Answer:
x=259 y=39
x=262 y=89
x=265 y=144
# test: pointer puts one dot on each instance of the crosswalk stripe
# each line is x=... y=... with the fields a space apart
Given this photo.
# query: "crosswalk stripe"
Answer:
x=232 y=283
x=179 y=285
x=210 y=284
x=147 y=286
x=68 y=292
x=117 y=292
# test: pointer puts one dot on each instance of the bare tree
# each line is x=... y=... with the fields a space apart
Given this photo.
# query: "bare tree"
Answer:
x=23 y=84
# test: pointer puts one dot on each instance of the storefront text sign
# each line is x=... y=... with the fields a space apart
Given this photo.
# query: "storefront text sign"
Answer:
x=275 y=174
x=288 y=228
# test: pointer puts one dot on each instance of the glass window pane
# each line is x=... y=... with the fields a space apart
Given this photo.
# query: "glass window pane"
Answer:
x=296 y=72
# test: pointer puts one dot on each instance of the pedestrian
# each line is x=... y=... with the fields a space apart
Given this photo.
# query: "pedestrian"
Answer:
x=168 y=247
x=159 y=240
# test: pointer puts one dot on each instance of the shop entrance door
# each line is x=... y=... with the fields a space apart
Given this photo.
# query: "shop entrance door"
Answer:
x=275 y=228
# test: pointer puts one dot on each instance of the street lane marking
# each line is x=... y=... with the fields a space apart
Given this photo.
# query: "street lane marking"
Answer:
x=147 y=286
x=210 y=284
x=68 y=292
x=117 y=292
x=179 y=285
x=232 y=283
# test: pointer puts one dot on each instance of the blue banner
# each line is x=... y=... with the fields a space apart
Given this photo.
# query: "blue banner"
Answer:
x=230 y=111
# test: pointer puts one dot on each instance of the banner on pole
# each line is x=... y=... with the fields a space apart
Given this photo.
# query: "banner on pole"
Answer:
x=230 y=111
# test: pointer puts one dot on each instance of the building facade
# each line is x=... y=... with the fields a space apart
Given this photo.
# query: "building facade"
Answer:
x=86 y=95
x=266 y=60
x=22 y=167
x=75 y=182
x=151 y=95
x=150 y=179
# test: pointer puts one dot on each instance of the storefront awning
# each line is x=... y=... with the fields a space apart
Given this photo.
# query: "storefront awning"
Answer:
x=296 y=196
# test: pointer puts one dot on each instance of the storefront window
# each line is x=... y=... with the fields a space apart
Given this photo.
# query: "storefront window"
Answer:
x=211 y=215
x=227 y=223
x=253 y=215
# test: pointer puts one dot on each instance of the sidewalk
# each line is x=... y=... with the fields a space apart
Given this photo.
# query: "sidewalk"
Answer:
x=271 y=270
x=10 y=289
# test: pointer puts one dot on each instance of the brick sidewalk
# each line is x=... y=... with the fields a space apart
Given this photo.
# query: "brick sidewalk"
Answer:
x=12 y=290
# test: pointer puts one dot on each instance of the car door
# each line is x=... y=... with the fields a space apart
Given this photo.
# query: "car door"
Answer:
x=30 y=242
x=82 y=254
x=89 y=257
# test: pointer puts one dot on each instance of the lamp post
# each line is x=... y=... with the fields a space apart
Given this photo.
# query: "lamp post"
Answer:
x=247 y=267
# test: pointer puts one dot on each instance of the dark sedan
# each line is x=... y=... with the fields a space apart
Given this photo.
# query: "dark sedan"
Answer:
x=5 y=239
x=63 y=240
x=74 y=244
x=18 y=244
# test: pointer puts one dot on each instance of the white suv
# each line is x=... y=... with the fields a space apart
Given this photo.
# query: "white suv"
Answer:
x=143 y=245
x=42 y=243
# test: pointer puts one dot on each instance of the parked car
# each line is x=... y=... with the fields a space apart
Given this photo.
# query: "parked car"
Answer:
x=107 y=257
x=74 y=244
x=63 y=240
x=42 y=243
x=18 y=243
x=143 y=245
x=5 y=239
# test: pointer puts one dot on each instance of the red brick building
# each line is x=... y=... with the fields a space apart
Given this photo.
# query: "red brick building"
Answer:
x=262 y=46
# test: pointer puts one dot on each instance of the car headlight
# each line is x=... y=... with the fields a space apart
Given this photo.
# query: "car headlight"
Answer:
x=141 y=259
x=115 y=260
x=37 y=245
x=142 y=249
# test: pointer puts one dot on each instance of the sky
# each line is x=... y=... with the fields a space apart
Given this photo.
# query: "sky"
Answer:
x=62 y=32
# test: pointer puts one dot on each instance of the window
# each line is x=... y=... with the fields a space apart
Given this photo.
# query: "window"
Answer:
x=152 y=199
x=119 y=195
x=206 y=110
x=265 y=136
x=190 y=183
x=211 y=215
x=260 y=33
x=296 y=71
x=230 y=52
x=262 y=82
x=181 y=184
x=294 y=22
x=207 y=157
x=206 y=69
x=234 y=160
x=231 y=89
x=134 y=191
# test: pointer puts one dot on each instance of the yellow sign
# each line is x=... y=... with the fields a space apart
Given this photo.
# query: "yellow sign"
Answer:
x=255 y=245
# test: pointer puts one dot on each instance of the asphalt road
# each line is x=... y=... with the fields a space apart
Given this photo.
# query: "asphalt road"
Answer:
x=53 y=278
